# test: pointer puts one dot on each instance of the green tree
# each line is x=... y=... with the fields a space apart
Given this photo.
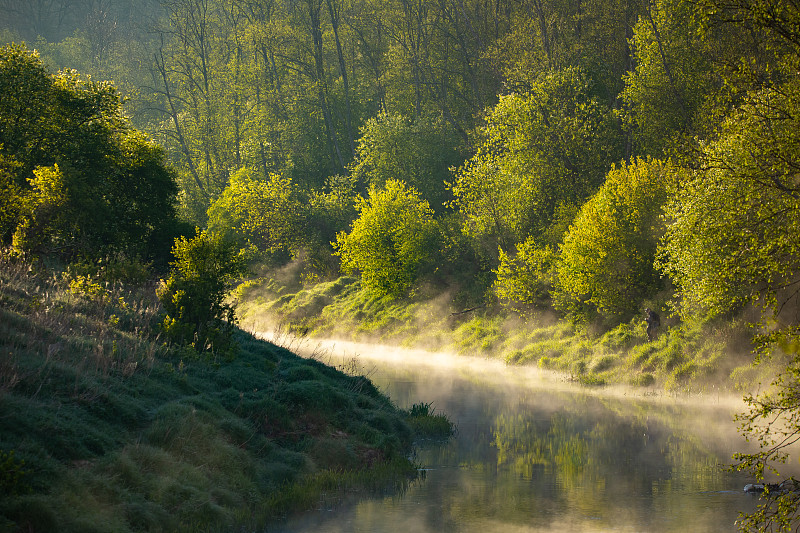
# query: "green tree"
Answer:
x=767 y=423
x=689 y=71
x=418 y=152
x=394 y=241
x=194 y=295
x=540 y=150
x=607 y=259
x=283 y=222
x=116 y=191
x=328 y=212
x=266 y=213
x=40 y=208
x=732 y=236
x=11 y=198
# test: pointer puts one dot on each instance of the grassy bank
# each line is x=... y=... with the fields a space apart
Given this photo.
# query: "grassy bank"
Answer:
x=104 y=427
x=688 y=357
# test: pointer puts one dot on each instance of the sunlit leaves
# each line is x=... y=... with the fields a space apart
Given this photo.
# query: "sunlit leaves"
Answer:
x=418 y=152
x=540 y=150
x=607 y=256
x=526 y=278
x=263 y=212
x=772 y=423
x=393 y=242
x=194 y=294
x=670 y=81
x=40 y=208
x=734 y=226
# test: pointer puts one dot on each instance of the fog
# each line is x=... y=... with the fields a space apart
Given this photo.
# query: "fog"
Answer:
x=536 y=452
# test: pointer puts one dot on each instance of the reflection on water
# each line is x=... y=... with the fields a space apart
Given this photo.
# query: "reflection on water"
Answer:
x=535 y=454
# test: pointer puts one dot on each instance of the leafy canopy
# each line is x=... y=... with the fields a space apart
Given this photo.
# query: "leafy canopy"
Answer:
x=734 y=225
x=418 y=152
x=539 y=150
x=264 y=212
x=394 y=241
x=607 y=259
x=526 y=278
x=109 y=187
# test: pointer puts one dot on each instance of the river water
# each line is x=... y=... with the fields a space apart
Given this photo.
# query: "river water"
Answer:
x=535 y=453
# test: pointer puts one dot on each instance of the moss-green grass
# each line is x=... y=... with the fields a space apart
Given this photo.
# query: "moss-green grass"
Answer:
x=684 y=356
x=103 y=427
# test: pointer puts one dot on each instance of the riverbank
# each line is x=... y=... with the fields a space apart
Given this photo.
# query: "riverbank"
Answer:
x=104 y=427
x=684 y=357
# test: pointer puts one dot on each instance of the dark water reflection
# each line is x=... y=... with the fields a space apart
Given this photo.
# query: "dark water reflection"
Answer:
x=535 y=454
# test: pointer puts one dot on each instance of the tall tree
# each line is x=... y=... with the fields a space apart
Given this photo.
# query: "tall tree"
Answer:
x=550 y=147
x=89 y=181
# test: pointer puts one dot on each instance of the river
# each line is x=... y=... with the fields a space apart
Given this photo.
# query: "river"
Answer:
x=535 y=453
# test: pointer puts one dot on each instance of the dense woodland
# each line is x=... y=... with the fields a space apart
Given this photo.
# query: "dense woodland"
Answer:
x=581 y=156
x=585 y=157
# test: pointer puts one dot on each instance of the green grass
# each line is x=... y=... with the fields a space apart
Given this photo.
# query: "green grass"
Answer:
x=683 y=356
x=104 y=427
x=428 y=424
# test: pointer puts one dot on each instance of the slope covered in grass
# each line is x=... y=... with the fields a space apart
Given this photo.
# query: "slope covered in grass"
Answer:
x=103 y=427
x=684 y=356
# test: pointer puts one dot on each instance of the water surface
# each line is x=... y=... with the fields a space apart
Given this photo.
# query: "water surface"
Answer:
x=535 y=453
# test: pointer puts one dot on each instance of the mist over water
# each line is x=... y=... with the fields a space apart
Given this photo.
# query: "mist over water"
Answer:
x=535 y=453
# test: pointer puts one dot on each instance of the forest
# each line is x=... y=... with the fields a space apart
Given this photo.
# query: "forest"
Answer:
x=577 y=159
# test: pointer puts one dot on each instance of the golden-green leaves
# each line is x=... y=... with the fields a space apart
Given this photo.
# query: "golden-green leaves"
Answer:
x=607 y=256
x=393 y=242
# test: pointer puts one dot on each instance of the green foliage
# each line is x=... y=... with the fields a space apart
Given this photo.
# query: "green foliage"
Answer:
x=607 y=257
x=671 y=94
x=193 y=297
x=82 y=179
x=731 y=239
x=427 y=424
x=767 y=423
x=266 y=213
x=549 y=147
x=12 y=474
x=328 y=213
x=394 y=242
x=282 y=222
x=112 y=269
x=41 y=205
x=418 y=152
x=526 y=278
x=11 y=197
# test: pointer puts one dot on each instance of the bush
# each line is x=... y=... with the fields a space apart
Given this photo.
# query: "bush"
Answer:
x=75 y=176
x=607 y=259
x=526 y=278
x=394 y=242
x=194 y=295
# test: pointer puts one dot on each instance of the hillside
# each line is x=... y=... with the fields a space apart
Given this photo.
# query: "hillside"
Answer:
x=684 y=356
x=104 y=427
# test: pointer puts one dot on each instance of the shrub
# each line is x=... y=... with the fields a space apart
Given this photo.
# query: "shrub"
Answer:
x=194 y=295
x=527 y=277
x=607 y=259
x=393 y=242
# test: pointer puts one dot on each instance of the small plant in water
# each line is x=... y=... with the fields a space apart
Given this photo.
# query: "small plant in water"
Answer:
x=428 y=425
